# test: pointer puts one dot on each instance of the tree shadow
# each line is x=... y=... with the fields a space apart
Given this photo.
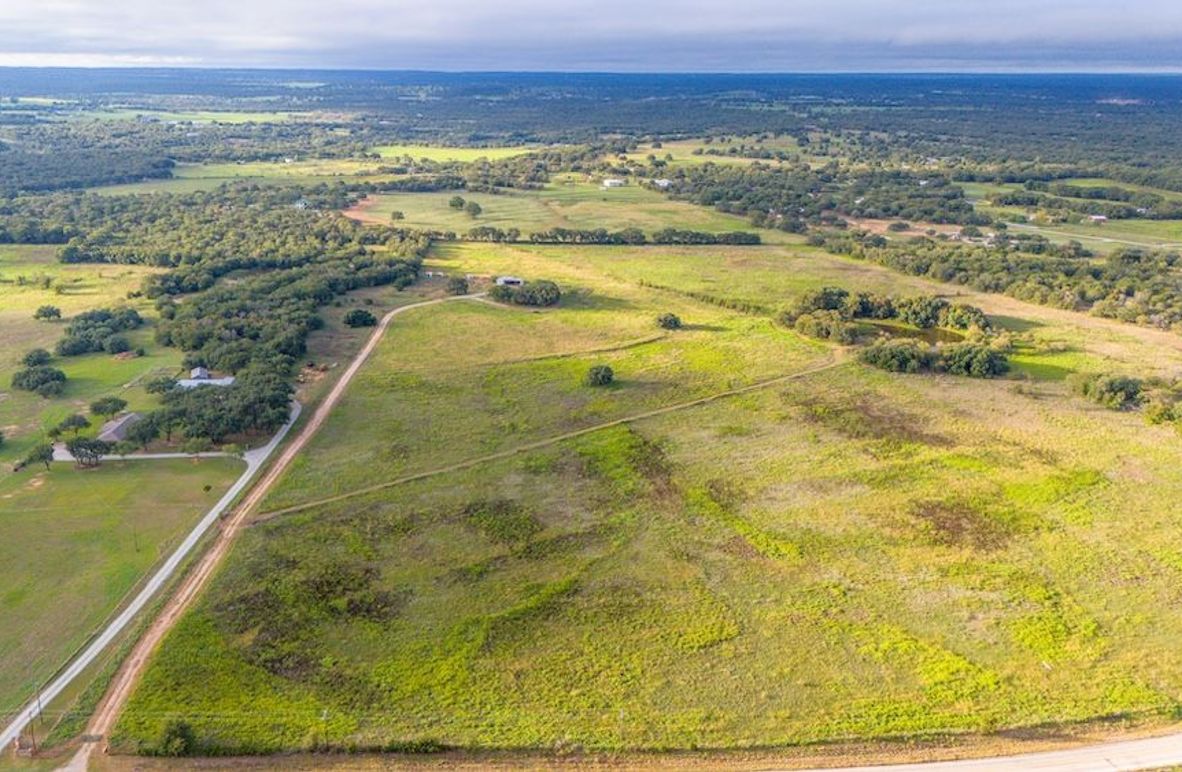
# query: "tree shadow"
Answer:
x=1014 y=323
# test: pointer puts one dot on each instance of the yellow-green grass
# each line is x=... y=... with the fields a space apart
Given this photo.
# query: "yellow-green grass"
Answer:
x=25 y=417
x=72 y=545
x=682 y=151
x=450 y=153
x=1116 y=233
x=846 y=556
x=564 y=203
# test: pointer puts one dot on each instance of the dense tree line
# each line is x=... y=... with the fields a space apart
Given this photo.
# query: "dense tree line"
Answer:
x=531 y=293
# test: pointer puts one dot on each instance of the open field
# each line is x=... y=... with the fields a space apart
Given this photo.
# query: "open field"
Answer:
x=851 y=554
x=192 y=116
x=73 y=543
x=445 y=153
x=564 y=203
x=24 y=417
x=683 y=151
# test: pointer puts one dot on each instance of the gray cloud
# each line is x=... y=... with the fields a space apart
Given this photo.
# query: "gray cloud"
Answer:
x=598 y=34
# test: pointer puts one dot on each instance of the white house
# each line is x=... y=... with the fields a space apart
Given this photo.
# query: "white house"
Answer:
x=199 y=376
x=662 y=183
x=613 y=182
x=1097 y=218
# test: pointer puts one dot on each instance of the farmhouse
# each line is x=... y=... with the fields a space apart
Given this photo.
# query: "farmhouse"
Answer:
x=115 y=430
x=613 y=182
x=199 y=376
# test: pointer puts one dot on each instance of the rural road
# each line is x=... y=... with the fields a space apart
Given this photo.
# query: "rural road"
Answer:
x=128 y=675
x=254 y=460
x=1148 y=753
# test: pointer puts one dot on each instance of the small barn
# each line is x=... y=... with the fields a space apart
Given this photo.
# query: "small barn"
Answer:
x=115 y=430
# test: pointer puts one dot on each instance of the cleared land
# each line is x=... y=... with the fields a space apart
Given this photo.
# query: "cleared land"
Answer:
x=850 y=554
x=31 y=277
x=445 y=153
x=73 y=544
x=565 y=203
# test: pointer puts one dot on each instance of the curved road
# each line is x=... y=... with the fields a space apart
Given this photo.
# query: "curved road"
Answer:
x=254 y=460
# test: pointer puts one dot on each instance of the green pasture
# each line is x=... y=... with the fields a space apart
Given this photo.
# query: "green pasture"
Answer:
x=73 y=543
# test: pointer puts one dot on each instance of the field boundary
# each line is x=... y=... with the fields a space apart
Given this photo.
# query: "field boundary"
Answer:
x=834 y=361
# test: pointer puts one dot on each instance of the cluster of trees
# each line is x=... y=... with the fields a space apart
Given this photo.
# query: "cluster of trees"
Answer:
x=827 y=313
x=46 y=381
x=531 y=293
x=1132 y=284
x=1118 y=392
x=359 y=317
x=628 y=236
x=99 y=330
x=970 y=358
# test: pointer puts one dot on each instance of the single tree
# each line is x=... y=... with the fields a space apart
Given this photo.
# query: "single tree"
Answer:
x=456 y=202
x=600 y=375
x=88 y=451
x=473 y=209
x=457 y=285
x=47 y=313
x=40 y=454
x=359 y=317
x=144 y=432
x=107 y=406
x=396 y=215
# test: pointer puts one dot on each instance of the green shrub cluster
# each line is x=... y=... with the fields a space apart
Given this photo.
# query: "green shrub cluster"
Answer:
x=971 y=359
x=532 y=293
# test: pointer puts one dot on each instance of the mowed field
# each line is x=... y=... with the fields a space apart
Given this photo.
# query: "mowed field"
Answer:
x=73 y=544
x=446 y=153
x=24 y=272
x=841 y=555
x=567 y=202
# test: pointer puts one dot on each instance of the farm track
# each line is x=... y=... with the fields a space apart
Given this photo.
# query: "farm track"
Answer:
x=834 y=361
x=132 y=669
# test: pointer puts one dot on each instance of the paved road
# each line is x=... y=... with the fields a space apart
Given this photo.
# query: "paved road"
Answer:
x=1149 y=753
x=254 y=460
x=194 y=581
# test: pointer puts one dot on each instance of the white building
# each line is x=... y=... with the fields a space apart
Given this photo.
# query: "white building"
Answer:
x=1097 y=218
x=509 y=281
x=662 y=183
x=613 y=182
x=199 y=376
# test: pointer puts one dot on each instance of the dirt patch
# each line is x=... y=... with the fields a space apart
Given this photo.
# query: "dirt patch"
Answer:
x=866 y=417
x=953 y=523
x=882 y=227
x=362 y=211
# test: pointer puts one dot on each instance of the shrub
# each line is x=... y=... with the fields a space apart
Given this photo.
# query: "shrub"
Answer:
x=960 y=316
x=359 y=317
x=826 y=325
x=116 y=344
x=669 y=321
x=823 y=299
x=600 y=375
x=457 y=285
x=473 y=209
x=923 y=311
x=396 y=215
x=107 y=406
x=36 y=358
x=456 y=202
x=898 y=356
x=1117 y=392
x=867 y=306
x=176 y=739
x=47 y=312
x=899 y=226
x=975 y=360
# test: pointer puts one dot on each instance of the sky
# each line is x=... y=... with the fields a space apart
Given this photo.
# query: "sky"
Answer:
x=599 y=35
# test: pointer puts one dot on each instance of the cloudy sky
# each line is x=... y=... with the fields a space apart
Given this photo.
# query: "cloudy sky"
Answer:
x=620 y=35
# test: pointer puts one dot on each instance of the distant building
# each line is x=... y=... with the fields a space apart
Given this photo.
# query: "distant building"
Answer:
x=613 y=182
x=302 y=204
x=662 y=183
x=509 y=281
x=199 y=376
x=115 y=430
x=1097 y=218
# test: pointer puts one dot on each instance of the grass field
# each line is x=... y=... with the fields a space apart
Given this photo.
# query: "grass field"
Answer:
x=24 y=417
x=445 y=153
x=193 y=116
x=564 y=203
x=846 y=555
x=73 y=543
